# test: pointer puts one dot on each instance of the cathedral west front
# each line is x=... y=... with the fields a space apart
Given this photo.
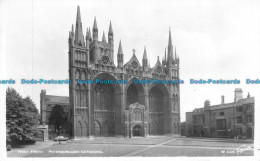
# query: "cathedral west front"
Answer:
x=122 y=109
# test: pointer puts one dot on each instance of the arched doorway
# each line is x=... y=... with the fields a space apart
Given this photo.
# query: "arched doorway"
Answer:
x=79 y=129
x=137 y=130
x=153 y=128
x=97 y=128
x=249 y=133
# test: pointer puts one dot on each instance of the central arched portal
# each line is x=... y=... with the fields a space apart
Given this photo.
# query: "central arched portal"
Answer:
x=137 y=130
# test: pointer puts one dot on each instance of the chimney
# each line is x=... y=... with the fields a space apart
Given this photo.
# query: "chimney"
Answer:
x=222 y=99
x=238 y=94
x=207 y=103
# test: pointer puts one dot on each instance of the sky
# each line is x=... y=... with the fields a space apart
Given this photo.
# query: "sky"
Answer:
x=214 y=39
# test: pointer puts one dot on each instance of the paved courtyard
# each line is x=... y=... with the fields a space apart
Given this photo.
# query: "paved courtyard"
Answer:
x=124 y=147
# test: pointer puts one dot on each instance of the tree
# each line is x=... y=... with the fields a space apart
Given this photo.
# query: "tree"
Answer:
x=21 y=117
x=57 y=118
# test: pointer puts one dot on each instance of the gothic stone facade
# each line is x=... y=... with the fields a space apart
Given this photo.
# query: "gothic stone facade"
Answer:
x=223 y=120
x=119 y=109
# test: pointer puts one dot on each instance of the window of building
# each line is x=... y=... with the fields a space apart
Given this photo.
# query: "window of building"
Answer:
x=239 y=109
x=248 y=108
x=239 y=119
x=221 y=124
x=221 y=113
x=249 y=118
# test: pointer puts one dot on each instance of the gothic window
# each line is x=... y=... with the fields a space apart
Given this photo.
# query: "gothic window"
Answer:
x=173 y=102
x=77 y=74
x=104 y=97
x=77 y=95
x=85 y=56
x=83 y=96
x=137 y=115
x=81 y=56
x=176 y=102
x=78 y=55
x=83 y=77
x=105 y=60
x=97 y=99
x=134 y=64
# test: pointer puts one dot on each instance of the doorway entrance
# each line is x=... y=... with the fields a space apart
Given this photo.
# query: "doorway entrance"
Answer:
x=137 y=130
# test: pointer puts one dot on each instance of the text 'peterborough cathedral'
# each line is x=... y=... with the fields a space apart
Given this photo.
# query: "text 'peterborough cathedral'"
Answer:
x=126 y=110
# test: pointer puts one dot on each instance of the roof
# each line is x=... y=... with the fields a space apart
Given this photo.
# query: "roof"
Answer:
x=57 y=99
x=240 y=102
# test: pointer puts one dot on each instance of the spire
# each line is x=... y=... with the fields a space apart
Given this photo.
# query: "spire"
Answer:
x=165 y=58
x=110 y=32
x=104 y=37
x=145 y=59
x=79 y=38
x=120 y=50
x=175 y=54
x=170 y=48
x=78 y=15
x=145 y=54
x=120 y=56
x=90 y=35
x=95 y=30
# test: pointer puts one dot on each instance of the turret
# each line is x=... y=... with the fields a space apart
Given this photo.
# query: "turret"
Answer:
x=120 y=56
x=164 y=60
x=71 y=35
x=95 y=30
x=104 y=38
x=79 y=37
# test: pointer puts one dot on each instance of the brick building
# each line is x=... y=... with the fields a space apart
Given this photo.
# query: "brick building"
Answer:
x=223 y=120
x=47 y=103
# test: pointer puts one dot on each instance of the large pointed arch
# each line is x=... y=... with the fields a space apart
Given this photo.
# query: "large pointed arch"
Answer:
x=134 y=92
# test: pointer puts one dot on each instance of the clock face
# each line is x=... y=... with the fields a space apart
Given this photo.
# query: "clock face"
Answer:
x=134 y=64
x=105 y=60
